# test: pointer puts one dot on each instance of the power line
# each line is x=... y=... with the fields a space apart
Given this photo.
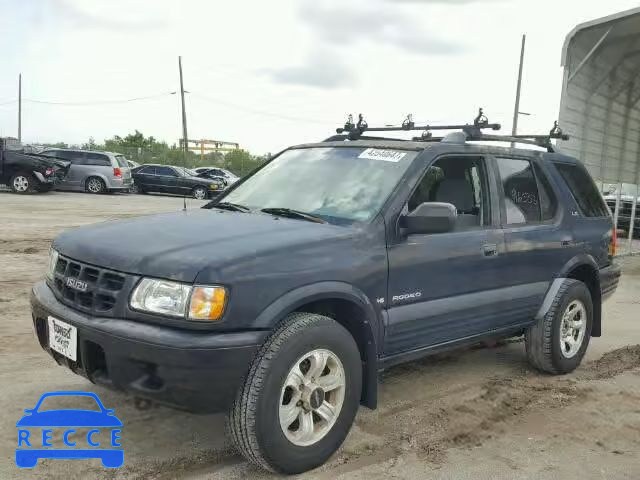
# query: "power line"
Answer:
x=94 y=102
x=290 y=118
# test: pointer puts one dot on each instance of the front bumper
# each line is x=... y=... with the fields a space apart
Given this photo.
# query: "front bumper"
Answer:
x=609 y=278
x=198 y=371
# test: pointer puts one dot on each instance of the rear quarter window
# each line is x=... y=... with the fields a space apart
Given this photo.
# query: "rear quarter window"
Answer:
x=98 y=159
x=122 y=161
x=583 y=189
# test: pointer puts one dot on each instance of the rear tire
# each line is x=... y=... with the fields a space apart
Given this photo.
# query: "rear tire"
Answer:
x=559 y=340
x=95 y=185
x=327 y=403
x=22 y=183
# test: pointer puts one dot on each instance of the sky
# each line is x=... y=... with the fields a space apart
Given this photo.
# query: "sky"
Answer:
x=269 y=74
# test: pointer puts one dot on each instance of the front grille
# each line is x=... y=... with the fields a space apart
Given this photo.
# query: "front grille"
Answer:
x=87 y=288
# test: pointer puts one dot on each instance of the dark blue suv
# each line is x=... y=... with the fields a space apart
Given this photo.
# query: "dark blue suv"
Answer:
x=282 y=300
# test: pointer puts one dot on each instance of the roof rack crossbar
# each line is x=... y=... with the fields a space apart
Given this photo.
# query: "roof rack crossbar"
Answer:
x=355 y=130
x=467 y=132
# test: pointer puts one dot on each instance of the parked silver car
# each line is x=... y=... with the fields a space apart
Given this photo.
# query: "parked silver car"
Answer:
x=94 y=172
x=229 y=177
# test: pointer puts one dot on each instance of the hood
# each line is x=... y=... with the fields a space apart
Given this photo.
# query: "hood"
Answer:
x=202 y=180
x=179 y=245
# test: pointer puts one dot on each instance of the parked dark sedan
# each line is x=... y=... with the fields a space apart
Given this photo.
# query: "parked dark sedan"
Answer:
x=176 y=180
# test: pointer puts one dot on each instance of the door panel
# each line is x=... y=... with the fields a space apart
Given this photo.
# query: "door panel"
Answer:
x=453 y=318
x=439 y=288
x=540 y=242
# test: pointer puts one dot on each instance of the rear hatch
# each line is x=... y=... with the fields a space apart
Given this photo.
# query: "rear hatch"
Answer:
x=123 y=165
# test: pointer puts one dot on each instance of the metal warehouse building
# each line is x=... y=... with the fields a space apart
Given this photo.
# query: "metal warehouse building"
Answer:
x=600 y=105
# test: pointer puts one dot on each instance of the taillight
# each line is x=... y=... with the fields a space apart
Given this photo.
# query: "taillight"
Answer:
x=117 y=172
x=613 y=244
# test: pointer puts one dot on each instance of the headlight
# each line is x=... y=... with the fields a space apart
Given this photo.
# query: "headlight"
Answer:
x=175 y=299
x=161 y=296
x=53 y=261
x=214 y=186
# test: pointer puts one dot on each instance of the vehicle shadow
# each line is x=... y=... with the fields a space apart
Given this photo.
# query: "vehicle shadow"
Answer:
x=161 y=442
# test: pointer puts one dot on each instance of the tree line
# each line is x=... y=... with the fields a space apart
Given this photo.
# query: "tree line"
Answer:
x=141 y=149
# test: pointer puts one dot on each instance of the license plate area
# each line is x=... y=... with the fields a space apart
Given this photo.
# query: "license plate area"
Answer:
x=63 y=338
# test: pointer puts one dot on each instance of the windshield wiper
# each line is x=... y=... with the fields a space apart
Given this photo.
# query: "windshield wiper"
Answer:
x=235 y=207
x=290 y=213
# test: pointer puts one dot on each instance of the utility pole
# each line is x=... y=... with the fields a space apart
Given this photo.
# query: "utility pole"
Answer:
x=516 y=109
x=19 y=108
x=185 y=143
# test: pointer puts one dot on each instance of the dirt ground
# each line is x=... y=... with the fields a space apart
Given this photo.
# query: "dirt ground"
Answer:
x=475 y=414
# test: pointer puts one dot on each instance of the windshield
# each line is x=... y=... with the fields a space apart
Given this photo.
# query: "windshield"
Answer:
x=345 y=182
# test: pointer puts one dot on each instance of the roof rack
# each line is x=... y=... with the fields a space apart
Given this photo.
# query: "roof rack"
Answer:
x=355 y=130
x=467 y=132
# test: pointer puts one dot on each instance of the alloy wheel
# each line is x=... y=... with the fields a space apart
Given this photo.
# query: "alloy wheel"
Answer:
x=312 y=396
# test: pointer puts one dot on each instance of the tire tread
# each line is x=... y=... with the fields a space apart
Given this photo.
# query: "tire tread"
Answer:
x=539 y=337
x=242 y=417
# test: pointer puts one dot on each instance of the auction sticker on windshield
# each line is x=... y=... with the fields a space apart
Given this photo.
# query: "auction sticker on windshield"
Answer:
x=380 y=154
x=63 y=338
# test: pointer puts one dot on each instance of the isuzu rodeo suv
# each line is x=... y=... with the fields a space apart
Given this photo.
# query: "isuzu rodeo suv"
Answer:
x=281 y=301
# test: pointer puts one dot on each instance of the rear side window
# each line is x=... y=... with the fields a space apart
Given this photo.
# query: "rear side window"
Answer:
x=583 y=189
x=122 y=161
x=98 y=159
x=76 y=158
x=166 y=171
x=521 y=199
x=150 y=170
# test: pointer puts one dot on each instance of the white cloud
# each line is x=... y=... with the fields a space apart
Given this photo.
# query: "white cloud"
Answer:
x=434 y=59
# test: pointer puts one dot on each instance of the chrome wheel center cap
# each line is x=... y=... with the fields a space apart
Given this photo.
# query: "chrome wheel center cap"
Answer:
x=312 y=397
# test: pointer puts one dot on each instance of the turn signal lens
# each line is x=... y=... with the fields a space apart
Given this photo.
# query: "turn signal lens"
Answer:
x=207 y=303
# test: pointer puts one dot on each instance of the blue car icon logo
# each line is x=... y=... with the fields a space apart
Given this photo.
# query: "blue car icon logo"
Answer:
x=39 y=430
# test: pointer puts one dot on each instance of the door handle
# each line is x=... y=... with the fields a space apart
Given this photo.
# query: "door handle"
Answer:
x=566 y=243
x=490 y=249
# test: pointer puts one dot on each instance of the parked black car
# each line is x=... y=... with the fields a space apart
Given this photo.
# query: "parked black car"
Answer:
x=282 y=300
x=25 y=171
x=175 y=180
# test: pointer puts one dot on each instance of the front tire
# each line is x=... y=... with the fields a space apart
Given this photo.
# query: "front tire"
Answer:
x=291 y=430
x=559 y=340
x=200 y=193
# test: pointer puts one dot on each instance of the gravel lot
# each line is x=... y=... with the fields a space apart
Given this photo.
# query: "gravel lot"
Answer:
x=475 y=414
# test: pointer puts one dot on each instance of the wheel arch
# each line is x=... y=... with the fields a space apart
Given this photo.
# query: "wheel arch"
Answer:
x=584 y=268
x=102 y=177
x=348 y=306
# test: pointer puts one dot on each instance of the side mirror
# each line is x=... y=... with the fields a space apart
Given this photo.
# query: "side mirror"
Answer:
x=430 y=217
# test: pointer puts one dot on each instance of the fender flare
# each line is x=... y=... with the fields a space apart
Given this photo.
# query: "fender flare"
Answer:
x=562 y=276
x=371 y=324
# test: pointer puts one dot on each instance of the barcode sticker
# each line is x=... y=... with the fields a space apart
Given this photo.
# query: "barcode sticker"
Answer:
x=382 y=154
